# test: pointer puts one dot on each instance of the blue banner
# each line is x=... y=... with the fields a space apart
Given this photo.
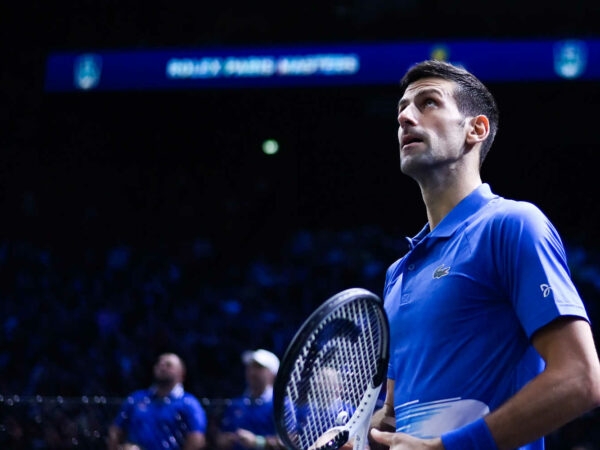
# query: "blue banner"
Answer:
x=326 y=65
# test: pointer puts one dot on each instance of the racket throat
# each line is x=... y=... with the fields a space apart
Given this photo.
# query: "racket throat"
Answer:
x=381 y=374
x=332 y=439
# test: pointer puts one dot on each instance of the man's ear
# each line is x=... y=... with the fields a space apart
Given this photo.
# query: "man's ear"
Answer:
x=479 y=129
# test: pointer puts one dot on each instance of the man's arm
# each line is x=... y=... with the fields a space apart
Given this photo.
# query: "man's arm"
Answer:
x=567 y=388
x=115 y=437
x=194 y=440
x=196 y=419
x=224 y=440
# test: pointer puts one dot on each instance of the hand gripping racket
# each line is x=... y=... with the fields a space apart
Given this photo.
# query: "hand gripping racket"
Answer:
x=332 y=372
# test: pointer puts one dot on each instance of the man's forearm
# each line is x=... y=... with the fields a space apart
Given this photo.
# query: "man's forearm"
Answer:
x=566 y=389
x=544 y=405
x=195 y=441
x=115 y=437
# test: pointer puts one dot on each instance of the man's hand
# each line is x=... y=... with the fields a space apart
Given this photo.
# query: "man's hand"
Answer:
x=226 y=440
x=382 y=420
x=246 y=438
x=401 y=441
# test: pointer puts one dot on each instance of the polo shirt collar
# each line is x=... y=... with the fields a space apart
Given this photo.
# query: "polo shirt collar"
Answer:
x=176 y=392
x=457 y=216
x=266 y=396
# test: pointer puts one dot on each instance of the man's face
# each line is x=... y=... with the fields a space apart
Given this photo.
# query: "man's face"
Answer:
x=168 y=369
x=258 y=377
x=431 y=130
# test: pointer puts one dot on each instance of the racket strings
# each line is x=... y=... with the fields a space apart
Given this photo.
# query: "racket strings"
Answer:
x=335 y=368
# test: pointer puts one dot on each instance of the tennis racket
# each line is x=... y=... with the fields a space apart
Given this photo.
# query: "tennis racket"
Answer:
x=332 y=372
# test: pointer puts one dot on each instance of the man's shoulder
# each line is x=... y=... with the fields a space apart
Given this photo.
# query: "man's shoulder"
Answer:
x=136 y=397
x=139 y=393
x=503 y=211
x=188 y=397
x=189 y=402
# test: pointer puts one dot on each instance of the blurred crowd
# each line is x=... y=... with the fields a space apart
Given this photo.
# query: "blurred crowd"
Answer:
x=91 y=321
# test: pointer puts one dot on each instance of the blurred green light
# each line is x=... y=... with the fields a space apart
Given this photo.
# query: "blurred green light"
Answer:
x=270 y=147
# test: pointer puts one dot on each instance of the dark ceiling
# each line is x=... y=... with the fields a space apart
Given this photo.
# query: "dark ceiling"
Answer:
x=148 y=165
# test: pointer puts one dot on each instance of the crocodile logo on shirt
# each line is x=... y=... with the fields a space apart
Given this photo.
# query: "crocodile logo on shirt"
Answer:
x=441 y=271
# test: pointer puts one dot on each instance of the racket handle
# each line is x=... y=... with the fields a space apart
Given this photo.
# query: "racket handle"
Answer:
x=361 y=438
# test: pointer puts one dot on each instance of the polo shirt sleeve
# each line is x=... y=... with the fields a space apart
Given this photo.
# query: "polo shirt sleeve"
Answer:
x=196 y=415
x=531 y=258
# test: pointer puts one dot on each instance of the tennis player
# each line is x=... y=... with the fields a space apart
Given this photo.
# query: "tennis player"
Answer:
x=491 y=345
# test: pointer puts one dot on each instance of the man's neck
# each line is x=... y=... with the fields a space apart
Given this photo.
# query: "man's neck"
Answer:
x=163 y=390
x=256 y=393
x=441 y=197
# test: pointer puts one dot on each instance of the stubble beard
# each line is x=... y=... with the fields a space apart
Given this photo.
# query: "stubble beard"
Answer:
x=414 y=165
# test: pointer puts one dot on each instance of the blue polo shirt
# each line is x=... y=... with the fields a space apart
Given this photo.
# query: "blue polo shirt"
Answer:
x=463 y=304
x=154 y=422
x=252 y=414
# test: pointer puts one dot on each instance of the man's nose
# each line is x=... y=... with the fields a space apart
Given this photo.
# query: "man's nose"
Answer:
x=407 y=115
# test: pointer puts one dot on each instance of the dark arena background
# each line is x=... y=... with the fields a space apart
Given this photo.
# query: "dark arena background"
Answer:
x=147 y=218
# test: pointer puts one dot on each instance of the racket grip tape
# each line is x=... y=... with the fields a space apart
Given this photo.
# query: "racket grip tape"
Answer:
x=474 y=436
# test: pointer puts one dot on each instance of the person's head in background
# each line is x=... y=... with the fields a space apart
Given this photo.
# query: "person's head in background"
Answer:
x=261 y=370
x=169 y=371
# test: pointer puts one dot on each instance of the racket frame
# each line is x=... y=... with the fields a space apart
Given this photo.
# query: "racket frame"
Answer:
x=357 y=426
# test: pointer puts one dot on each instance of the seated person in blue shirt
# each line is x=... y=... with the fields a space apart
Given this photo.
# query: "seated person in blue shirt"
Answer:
x=161 y=417
x=248 y=422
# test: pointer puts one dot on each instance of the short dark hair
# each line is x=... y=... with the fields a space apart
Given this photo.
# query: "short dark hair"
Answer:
x=472 y=96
